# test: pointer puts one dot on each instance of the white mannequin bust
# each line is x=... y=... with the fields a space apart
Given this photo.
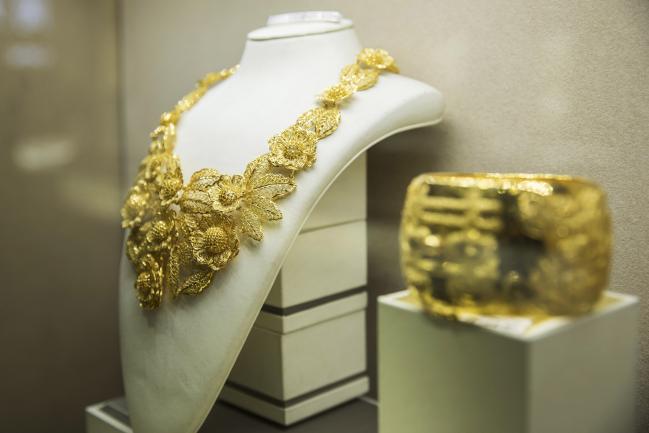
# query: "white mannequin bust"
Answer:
x=176 y=359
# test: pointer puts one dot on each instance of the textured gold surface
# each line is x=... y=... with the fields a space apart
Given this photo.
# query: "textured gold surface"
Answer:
x=181 y=235
x=505 y=244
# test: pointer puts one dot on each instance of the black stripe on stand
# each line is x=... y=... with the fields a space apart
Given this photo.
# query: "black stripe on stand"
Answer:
x=295 y=400
x=310 y=304
x=117 y=414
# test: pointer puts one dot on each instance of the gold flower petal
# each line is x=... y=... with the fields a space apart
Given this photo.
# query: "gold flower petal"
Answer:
x=203 y=179
x=265 y=208
x=196 y=283
x=172 y=273
x=196 y=202
x=257 y=168
x=251 y=224
x=273 y=185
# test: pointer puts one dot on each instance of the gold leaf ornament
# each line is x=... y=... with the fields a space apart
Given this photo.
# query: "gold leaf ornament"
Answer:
x=196 y=283
x=182 y=234
x=322 y=121
x=361 y=78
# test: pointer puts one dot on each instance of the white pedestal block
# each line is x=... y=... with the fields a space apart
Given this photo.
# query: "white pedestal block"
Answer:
x=337 y=224
x=321 y=263
x=108 y=417
x=562 y=375
x=111 y=416
x=296 y=365
x=319 y=346
x=291 y=412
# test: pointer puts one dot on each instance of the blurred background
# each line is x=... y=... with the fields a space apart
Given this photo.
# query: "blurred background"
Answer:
x=549 y=86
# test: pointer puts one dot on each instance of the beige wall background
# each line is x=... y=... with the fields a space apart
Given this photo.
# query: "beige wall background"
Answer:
x=554 y=86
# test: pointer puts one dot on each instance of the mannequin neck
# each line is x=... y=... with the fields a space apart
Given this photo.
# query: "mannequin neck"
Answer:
x=315 y=48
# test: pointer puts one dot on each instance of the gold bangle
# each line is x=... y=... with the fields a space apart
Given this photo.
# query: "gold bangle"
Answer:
x=503 y=244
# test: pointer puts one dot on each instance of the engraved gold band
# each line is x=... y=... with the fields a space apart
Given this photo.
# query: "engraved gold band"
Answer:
x=522 y=244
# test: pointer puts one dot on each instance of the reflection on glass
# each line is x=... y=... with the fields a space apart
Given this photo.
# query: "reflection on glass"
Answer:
x=59 y=228
x=30 y=16
x=27 y=55
x=43 y=152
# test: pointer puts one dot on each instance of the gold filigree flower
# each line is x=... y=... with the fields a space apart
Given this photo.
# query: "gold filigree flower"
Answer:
x=337 y=93
x=136 y=207
x=294 y=148
x=153 y=236
x=157 y=233
x=378 y=59
x=169 y=187
x=247 y=201
x=196 y=198
x=209 y=191
x=215 y=245
x=227 y=193
x=148 y=284
x=166 y=177
x=360 y=78
x=158 y=182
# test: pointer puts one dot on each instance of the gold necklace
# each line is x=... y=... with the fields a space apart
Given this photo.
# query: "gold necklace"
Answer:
x=181 y=235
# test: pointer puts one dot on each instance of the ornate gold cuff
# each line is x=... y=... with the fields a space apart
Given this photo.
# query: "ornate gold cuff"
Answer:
x=505 y=243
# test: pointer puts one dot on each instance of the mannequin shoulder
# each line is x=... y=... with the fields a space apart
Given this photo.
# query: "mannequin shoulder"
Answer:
x=418 y=102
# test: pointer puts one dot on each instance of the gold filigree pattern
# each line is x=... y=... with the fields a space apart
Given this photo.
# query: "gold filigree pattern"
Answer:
x=376 y=58
x=505 y=244
x=361 y=78
x=337 y=93
x=181 y=235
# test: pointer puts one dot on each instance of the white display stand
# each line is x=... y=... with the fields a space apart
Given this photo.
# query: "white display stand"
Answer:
x=562 y=375
x=176 y=360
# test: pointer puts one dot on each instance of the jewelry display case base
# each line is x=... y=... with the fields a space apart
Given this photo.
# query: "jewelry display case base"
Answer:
x=356 y=416
x=507 y=375
x=290 y=412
